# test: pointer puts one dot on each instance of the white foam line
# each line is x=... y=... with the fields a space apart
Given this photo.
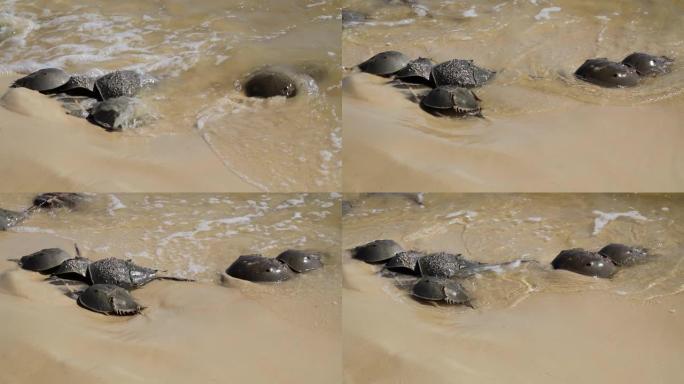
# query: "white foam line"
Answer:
x=545 y=13
x=606 y=217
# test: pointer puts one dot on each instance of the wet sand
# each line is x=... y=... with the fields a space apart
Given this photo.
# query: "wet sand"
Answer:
x=66 y=153
x=531 y=324
x=206 y=135
x=216 y=330
x=544 y=130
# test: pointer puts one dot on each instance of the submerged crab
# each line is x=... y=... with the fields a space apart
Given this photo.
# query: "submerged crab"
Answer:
x=273 y=81
x=53 y=200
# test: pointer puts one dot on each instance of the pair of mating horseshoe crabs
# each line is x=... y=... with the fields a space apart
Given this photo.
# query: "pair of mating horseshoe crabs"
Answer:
x=626 y=73
x=257 y=268
x=451 y=81
x=604 y=263
x=438 y=274
x=49 y=200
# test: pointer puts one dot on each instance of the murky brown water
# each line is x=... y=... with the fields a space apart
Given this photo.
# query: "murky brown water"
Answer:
x=198 y=51
x=545 y=130
x=530 y=312
x=295 y=323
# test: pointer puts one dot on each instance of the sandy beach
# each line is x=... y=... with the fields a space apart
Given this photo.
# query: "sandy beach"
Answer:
x=531 y=324
x=216 y=330
x=203 y=134
x=544 y=130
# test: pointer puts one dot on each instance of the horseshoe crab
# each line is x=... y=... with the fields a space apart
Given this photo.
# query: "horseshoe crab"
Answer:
x=9 y=219
x=78 y=85
x=385 y=63
x=377 y=251
x=405 y=262
x=648 y=65
x=438 y=289
x=124 y=273
x=607 y=73
x=279 y=81
x=52 y=200
x=45 y=260
x=584 y=262
x=460 y=73
x=257 y=268
x=444 y=265
x=43 y=80
x=623 y=255
x=416 y=71
x=301 y=261
x=117 y=84
x=449 y=100
x=109 y=299
x=74 y=269
x=118 y=113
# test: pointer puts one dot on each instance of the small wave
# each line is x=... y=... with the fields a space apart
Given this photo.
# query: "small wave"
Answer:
x=603 y=218
x=545 y=13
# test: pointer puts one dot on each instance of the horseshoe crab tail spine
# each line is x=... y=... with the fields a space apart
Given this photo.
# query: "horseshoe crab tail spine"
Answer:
x=78 y=251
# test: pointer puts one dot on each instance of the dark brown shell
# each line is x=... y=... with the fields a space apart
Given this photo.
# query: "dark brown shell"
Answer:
x=584 y=262
x=109 y=299
x=53 y=200
x=301 y=261
x=258 y=268
x=385 y=63
x=44 y=260
x=43 y=80
x=438 y=289
x=607 y=73
x=623 y=255
x=648 y=65
x=377 y=251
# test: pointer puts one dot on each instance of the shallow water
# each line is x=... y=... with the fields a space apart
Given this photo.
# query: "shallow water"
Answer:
x=199 y=52
x=558 y=318
x=195 y=236
x=544 y=130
